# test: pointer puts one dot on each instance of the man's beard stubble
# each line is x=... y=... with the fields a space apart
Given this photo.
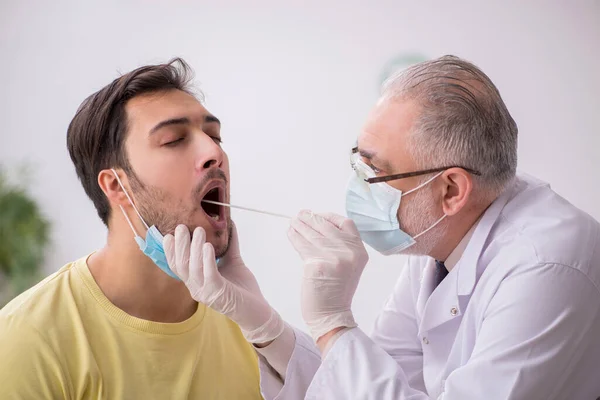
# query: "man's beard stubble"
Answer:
x=154 y=203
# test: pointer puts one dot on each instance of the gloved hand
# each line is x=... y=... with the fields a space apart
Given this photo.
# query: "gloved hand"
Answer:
x=230 y=289
x=334 y=257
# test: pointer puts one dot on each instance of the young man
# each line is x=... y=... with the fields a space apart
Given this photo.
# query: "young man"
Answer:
x=113 y=325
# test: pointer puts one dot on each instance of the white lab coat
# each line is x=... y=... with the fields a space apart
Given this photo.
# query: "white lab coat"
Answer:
x=518 y=317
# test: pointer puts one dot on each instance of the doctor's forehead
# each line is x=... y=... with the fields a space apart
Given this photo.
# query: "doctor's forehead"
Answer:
x=389 y=125
x=391 y=121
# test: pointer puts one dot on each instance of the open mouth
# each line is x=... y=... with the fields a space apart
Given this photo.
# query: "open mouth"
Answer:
x=213 y=210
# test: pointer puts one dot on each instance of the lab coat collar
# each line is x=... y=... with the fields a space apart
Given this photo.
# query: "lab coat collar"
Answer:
x=440 y=305
x=466 y=267
x=458 y=252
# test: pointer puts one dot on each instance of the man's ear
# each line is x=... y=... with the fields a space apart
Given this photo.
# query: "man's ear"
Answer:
x=458 y=186
x=109 y=184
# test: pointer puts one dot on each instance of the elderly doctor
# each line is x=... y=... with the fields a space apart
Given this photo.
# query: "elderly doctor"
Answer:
x=500 y=295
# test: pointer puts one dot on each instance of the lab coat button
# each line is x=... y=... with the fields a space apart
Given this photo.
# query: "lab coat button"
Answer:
x=453 y=311
x=425 y=340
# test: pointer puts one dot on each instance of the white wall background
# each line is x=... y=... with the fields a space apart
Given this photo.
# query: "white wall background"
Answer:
x=292 y=84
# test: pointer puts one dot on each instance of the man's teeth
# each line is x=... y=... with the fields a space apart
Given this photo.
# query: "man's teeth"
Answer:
x=215 y=217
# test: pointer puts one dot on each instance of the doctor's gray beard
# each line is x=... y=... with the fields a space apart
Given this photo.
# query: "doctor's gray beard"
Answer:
x=418 y=212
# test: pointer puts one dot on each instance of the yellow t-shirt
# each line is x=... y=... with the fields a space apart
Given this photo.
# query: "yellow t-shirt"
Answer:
x=63 y=339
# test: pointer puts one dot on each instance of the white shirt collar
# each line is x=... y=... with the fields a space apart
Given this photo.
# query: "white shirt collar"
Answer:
x=458 y=251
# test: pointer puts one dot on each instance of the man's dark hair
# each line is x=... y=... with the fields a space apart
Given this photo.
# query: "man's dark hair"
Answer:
x=96 y=135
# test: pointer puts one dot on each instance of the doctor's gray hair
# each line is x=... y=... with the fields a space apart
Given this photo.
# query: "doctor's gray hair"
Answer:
x=462 y=120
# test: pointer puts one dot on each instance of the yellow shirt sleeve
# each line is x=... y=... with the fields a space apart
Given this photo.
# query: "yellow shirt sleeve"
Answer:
x=29 y=368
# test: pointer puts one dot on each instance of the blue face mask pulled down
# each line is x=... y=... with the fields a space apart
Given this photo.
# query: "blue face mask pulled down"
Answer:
x=374 y=210
x=152 y=246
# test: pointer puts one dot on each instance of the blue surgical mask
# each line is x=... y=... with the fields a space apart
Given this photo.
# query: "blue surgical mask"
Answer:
x=374 y=210
x=153 y=245
x=153 y=248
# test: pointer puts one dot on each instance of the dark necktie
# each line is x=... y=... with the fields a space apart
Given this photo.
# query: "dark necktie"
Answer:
x=440 y=272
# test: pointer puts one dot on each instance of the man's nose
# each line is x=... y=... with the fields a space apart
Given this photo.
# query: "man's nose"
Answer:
x=209 y=153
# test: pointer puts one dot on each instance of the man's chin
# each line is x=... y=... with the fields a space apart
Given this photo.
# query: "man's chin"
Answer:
x=221 y=250
x=222 y=241
x=220 y=244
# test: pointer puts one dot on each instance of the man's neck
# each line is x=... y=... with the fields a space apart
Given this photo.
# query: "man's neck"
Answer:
x=133 y=283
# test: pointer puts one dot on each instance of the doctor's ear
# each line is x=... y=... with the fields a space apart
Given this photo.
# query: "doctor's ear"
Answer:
x=458 y=188
x=109 y=183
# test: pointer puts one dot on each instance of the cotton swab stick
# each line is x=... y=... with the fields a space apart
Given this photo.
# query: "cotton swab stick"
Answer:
x=247 y=209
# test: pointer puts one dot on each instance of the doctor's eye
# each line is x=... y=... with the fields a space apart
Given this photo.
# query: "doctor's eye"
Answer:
x=374 y=168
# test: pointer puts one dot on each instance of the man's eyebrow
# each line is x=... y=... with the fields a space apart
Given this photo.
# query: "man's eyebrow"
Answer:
x=372 y=156
x=182 y=121
x=169 y=122
x=211 y=118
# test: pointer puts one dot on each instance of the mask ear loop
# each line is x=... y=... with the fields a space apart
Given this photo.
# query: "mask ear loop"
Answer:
x=423 y=184
x=431 y=227
x=439 y=220
x=133 y=205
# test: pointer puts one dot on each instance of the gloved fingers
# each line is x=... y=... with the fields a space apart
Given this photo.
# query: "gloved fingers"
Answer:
x=336 y=219
x=341 y=222
x=327 y=225
x=196 y=273
x=303 y=224
x=310 y=244
x=211 y=273
x=182 y=250
x=298 y=241
x=232 y=256
x=234 y=244
x=169 y=246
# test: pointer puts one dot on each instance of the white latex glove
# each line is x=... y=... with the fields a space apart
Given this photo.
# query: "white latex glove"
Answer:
x=230 y=289
x=334 y=257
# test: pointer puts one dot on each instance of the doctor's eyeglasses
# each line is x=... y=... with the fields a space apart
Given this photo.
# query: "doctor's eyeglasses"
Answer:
x=365 y=172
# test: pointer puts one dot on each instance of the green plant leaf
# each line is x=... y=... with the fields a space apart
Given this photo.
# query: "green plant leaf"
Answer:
x=24 y=233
